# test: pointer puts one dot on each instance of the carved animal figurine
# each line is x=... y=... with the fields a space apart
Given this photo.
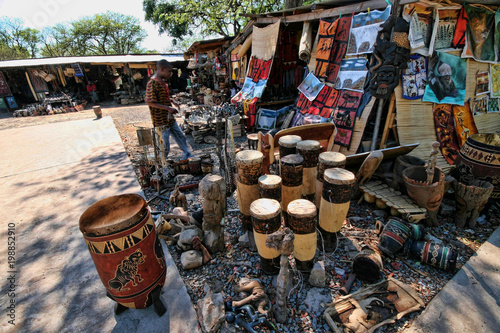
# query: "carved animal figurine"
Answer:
x=266 y=146
x=178 y=199
x=127 y=271
x=370 y=164
x=257 y=297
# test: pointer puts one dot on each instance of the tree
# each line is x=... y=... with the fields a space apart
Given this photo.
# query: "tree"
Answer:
x=17 y=42
x=101 y=34
x=181 y=18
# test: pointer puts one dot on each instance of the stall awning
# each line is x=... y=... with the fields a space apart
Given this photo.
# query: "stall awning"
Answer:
x=108 y=59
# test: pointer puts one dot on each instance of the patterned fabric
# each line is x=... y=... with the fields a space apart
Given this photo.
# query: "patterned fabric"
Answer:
x=344 y=116
x=157 y=92
x=445 y=132
x=339 y=48
x=327 y=29
x=464 y=122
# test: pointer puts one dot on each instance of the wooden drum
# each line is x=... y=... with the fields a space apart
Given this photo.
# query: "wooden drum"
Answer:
x=249 y=164
x=327 y=160
x=335 y=200
x=121 y=237
x=309 y=149
x=287 y=145
x=302 y=219
x=266 y=219
x=270 y=187
x=291 y=175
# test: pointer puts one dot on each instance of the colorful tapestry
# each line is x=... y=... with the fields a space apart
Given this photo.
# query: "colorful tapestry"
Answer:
x=4 y=87
x=339 y=48
x=446 y=79
x=78 y=69
x=326 y=35
x=310 y=87
x=460 y=30
x=482 y=83
x=479 y=105
x=322 y=106
x=415 y=77
x=344 y=116
x=445 y=132
x=464 y=122
x=493 y=104
x=364 y=30
x=352 y=75
x=421 y=17
x=481 y=33
x=495 y=80
x=39 y=84
x=446 y=23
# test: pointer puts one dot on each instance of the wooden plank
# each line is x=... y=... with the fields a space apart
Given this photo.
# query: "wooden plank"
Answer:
x=319 y=14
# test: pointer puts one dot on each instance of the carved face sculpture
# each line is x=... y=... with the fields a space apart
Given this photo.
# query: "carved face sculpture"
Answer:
x=384 y=81
x=435 y=201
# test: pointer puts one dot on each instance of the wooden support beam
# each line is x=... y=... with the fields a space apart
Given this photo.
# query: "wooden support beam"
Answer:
x=389 y=121
x=345 y=10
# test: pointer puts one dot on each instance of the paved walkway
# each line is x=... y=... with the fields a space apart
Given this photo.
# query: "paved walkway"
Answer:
x=49 y=174
x=470 y=302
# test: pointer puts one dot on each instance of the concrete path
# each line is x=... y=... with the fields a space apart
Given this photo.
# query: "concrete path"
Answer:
x=49 y=175
x=470 y=302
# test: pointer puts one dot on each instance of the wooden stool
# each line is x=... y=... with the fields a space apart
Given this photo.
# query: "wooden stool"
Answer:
x=327 y=160
x=249 y=165
x=253 y=139
x=302 y=218
x=309 y=149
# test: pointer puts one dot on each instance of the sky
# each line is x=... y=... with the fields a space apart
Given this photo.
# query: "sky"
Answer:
x=45 y=13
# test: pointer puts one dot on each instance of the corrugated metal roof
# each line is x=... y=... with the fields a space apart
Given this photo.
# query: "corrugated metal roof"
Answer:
x=127 y=58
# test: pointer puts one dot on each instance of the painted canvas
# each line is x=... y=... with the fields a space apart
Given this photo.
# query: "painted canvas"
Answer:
x=310 y=87
x=481 y=33
x=446 y=23
x=446 y=79
x=482 y=83
x=464 y=122
x=339 y=48
x=344 y=116
x=423 y=26
x=364 y=30
x=415 y=77
x=352 y=75
x=493 y=104
x=495 y=80
x=479 y=105
x=326 y=36
x=445 y=132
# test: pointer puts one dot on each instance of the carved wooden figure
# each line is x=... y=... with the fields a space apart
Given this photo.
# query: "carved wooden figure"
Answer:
x=471 y=199
x=266 y=146
x=213 y=190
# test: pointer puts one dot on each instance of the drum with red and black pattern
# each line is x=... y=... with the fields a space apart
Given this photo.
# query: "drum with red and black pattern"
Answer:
x=121 y=237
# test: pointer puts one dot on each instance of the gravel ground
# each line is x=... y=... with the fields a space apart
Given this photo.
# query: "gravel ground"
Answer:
x=225 y=269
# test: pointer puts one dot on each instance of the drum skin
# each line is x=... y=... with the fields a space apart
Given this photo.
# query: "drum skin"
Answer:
x=127 y=253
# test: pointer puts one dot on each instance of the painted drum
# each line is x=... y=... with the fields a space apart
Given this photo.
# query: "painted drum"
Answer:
x=367 y=264
x=121 y=237
x=270 y=187
x=434 y=254
x=266 y=219
x=291 y=175
x=303 y=220
x=479 y=158
x=394 y=235
x=309 y=149
x=249 y=165
x=287 y=145
x=327 y=160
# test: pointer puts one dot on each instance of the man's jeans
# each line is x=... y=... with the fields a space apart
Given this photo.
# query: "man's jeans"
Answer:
x=179 y=137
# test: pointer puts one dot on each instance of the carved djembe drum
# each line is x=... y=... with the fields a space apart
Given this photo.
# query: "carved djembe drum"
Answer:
x=327 y=160
x=335 y=201
x=303 y=220
x=270 y=187
x=249 y=164
x=121 y=237
x=266 y=219
x=309 y=149
x=288 y=145
x=291 y=175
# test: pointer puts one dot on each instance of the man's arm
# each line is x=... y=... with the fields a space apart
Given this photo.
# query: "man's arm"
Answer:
x=161 y=106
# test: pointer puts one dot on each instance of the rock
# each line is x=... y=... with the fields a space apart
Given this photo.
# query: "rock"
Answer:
x=447 y=210
x=185 y=242
x=316 y=299
x=229 y=328
x=379 y=213
x=244 y=241
x=481 y=220
x=340 y=271
x=318 y=275
x=211 y=313
x=191 y=259
x=190 y=197
x=183 y=179
x=213 y=241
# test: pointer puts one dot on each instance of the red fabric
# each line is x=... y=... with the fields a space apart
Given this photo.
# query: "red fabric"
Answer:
x=460 y=30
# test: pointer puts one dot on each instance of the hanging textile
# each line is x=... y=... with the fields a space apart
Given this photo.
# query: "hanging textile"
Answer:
x=447 y=76
x=423 y=26
x=352 y=75
x=495 y=80
x=460 y=30
x=464 y=123
x=339 y=48
x=415 y=77
x=479 y=105
x=445 y=132
x=364 y=30
x=481 y=34
x=306 y=41
x=326 y=34
x=447 y=18
x=311 y=87
x=4 y=87
x=482 y=83
x=344 y=116
x=264 y=41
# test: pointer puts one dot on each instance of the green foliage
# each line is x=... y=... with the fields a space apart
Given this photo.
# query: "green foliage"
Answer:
x=101 y=34
x=182 y=18
x=17 y=42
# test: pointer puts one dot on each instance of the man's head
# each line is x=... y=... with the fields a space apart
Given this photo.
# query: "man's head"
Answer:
x=163 y=69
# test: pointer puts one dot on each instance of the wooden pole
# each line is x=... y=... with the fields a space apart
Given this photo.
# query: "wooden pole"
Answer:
x=377 y=124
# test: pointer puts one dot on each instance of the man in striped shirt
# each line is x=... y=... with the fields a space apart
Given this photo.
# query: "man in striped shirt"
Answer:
x=162 y=110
